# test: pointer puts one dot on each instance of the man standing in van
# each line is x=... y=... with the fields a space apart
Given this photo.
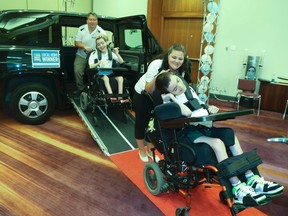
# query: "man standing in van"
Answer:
x=85 y=41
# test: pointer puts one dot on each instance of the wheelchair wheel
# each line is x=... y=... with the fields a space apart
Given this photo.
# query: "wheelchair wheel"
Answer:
x=84 y=101
x=222 y=197
x=153 y=178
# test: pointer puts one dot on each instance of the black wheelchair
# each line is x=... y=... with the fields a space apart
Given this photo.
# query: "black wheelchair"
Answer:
x=95 y=94
x=187 y=165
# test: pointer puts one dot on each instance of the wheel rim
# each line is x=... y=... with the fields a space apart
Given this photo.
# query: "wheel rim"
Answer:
x=151 y=178
x=83 y=100
x=33 y=104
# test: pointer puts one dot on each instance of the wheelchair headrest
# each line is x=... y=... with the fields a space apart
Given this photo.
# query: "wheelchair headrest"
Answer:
x=168 y=111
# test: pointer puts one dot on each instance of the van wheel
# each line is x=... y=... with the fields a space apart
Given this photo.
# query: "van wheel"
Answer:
x=32 y=103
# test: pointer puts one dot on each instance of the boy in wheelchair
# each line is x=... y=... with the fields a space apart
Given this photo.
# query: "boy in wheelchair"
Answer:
x=252 y=192
x=102 y=81
x=103 y=59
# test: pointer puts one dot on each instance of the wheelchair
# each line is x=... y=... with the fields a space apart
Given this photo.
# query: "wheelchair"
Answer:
x=95 y=95
x=187 y=165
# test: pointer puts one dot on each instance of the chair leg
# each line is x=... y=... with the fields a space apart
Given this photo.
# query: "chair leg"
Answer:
x=284 y=114
x=259 y=105
x=238 y=101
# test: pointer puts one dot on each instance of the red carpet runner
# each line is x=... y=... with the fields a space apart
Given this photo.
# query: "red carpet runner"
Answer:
x=205 y=201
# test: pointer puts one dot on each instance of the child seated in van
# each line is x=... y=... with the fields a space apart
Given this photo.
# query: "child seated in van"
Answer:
x=103 y=58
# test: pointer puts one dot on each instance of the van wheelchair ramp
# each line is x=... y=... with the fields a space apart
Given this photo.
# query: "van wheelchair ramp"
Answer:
x=113 y=131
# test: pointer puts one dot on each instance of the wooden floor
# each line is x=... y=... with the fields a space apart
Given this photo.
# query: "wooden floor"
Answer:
x=57 y=169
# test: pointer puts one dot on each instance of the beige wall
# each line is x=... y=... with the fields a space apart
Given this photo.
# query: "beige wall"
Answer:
x=249 y=27
x=83 y=6
x=15 y=4
x=120 y=8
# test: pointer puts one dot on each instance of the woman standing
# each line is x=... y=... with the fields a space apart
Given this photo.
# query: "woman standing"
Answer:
x=174 y=60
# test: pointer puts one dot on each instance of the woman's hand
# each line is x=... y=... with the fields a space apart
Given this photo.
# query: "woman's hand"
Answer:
x=150 y=86
x=87 y=49
x=213 y=109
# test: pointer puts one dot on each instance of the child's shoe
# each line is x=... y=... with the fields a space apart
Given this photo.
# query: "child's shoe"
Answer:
x=262 y=186
x=245 y=195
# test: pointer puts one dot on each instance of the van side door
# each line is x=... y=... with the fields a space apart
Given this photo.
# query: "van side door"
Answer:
x=137 y=44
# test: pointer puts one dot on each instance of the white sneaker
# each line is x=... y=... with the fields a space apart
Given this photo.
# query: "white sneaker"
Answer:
x=262 y=186
x=157 y=159
x=143 y=158
x=245 y=195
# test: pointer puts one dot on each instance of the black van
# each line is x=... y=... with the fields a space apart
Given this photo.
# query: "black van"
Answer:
x=37 y=53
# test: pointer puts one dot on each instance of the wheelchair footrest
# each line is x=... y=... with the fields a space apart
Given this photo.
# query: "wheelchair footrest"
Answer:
x=237 y=165
x=249 y=202
x=240 y=207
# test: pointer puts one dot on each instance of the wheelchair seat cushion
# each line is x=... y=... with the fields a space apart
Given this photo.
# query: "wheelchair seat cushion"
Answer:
x=203 y=153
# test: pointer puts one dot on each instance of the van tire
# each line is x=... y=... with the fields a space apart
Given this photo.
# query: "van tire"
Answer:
x=32 y=103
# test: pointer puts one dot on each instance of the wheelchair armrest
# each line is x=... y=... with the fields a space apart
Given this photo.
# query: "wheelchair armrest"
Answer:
x=125 y=65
